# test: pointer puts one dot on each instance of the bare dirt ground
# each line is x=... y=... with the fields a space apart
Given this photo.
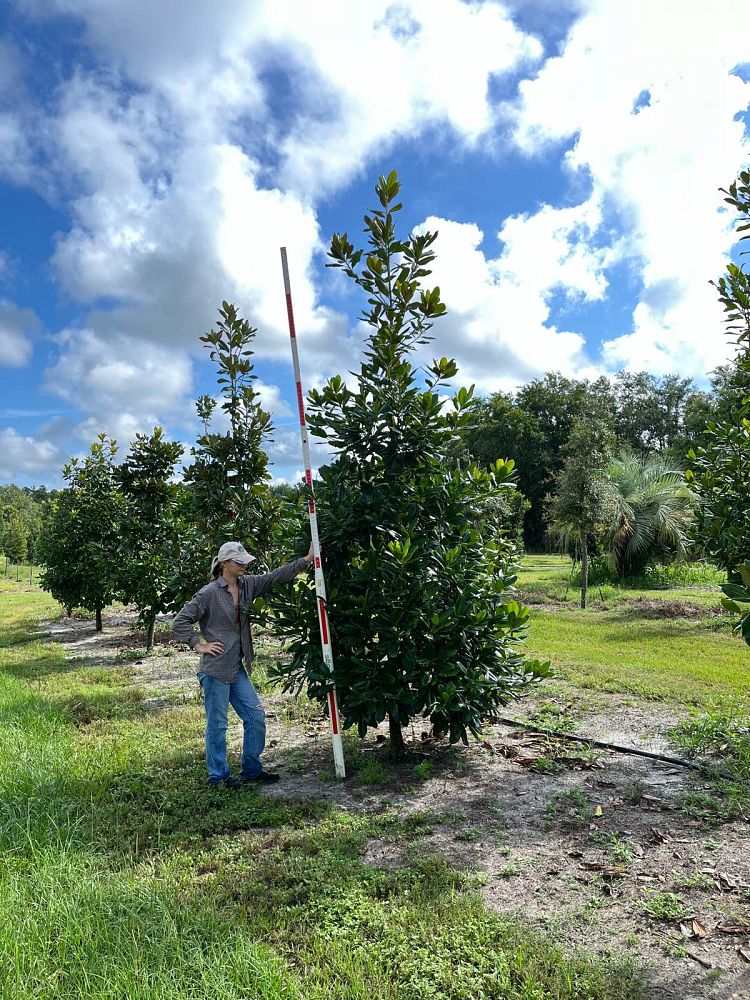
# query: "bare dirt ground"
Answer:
x=582 y=843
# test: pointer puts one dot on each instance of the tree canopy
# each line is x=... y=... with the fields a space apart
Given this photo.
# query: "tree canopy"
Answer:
x=422 y=617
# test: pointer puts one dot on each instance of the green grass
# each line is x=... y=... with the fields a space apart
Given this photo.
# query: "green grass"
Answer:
x=668 y=659
x=641 y=642
x=11 y=573
x=125 y=876
x=718 y=734
x=21 y=607
x=663 y=905
x=569 y=810
x=552 y=578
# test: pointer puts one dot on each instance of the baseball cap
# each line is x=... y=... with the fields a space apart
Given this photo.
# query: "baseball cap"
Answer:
x=235 y=551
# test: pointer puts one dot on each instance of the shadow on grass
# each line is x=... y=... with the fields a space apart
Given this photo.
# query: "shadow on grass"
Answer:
x=161 y=807
x=171 y=803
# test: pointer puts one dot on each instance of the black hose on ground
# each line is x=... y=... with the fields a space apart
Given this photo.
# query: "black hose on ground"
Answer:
x=617 y=748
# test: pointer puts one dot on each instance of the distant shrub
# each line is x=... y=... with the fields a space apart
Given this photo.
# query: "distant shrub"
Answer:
x=654 y=577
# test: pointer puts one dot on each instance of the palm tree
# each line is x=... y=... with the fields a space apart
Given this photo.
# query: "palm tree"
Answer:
x=652 y=511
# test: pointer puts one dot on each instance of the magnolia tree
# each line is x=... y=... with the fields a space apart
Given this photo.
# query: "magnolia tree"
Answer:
x=720 y=471
x=150 y=539
x=227 y=485
x=14 y=536
x=81 y=539
x=419 y=590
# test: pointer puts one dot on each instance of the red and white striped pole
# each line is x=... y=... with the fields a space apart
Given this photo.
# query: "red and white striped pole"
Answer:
x=320 y=584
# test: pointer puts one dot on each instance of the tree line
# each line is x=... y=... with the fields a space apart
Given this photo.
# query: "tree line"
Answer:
x=22 y=514
x=643 y=414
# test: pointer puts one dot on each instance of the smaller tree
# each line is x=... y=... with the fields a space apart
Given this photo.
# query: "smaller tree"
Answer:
x=80 y=543
x=227 y=485
x=720 y=469
x=15 y=536
x=150 y=538
x=580 y=508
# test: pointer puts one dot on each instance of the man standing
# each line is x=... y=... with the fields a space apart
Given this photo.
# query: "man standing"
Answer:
x=226 y=658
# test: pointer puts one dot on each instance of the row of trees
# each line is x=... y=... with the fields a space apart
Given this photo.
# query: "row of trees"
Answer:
x=644 y=414
x=637 y=505
x=22 y=512
x=128 y=530
x=421 y=606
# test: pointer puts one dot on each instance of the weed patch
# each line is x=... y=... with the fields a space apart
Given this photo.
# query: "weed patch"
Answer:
x=720 y=734
x=569 y=810
x=663 y=905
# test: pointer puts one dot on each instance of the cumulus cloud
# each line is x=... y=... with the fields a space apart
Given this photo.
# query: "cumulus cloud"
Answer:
x=649 y=95
x=270 y=398
x=285 y=453
x=126 y=385
x=440 y=57
x=498 y=322
x=27 y=458
x=16 y=327
x=172 y=206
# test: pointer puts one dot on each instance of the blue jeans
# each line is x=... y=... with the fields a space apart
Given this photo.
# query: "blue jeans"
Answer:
x=242 y=696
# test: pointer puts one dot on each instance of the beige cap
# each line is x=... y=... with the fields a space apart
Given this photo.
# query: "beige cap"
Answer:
x=235 y=551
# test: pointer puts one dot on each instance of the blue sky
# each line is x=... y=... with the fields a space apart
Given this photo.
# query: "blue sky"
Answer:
x=153 y=158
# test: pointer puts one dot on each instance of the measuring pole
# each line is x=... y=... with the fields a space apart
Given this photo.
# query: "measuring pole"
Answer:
x=320 y=584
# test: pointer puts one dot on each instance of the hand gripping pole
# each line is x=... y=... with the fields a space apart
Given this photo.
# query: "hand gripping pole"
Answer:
x=320 y=585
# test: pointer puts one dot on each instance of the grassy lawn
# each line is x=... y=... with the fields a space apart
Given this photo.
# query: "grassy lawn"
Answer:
x=641 y=643
x=550 y=578
x=21 y=607
x=125 y=876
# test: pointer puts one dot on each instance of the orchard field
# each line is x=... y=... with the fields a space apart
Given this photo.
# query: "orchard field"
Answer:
x=543 y=804
x=521 y=866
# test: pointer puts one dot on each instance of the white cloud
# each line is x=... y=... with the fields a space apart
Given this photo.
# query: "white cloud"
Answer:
x=124 y=384
x=23 y=457
x=648 y=93
x=432 y=60
x=16 y=327
x=270 y=399
x=285 y=452
x=208 y=63
x=498 y=321
x=155 y=155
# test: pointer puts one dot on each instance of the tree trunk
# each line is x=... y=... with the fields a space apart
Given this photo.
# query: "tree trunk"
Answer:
x=18 y=572
x=396 y=733
x=98 y=619
x=584 y=571
x=150 y=632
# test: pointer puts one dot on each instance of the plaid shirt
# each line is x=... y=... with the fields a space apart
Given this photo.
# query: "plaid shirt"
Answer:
x=219 y=621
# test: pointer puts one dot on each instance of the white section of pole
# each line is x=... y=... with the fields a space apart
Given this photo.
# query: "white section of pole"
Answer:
x=320 y=585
